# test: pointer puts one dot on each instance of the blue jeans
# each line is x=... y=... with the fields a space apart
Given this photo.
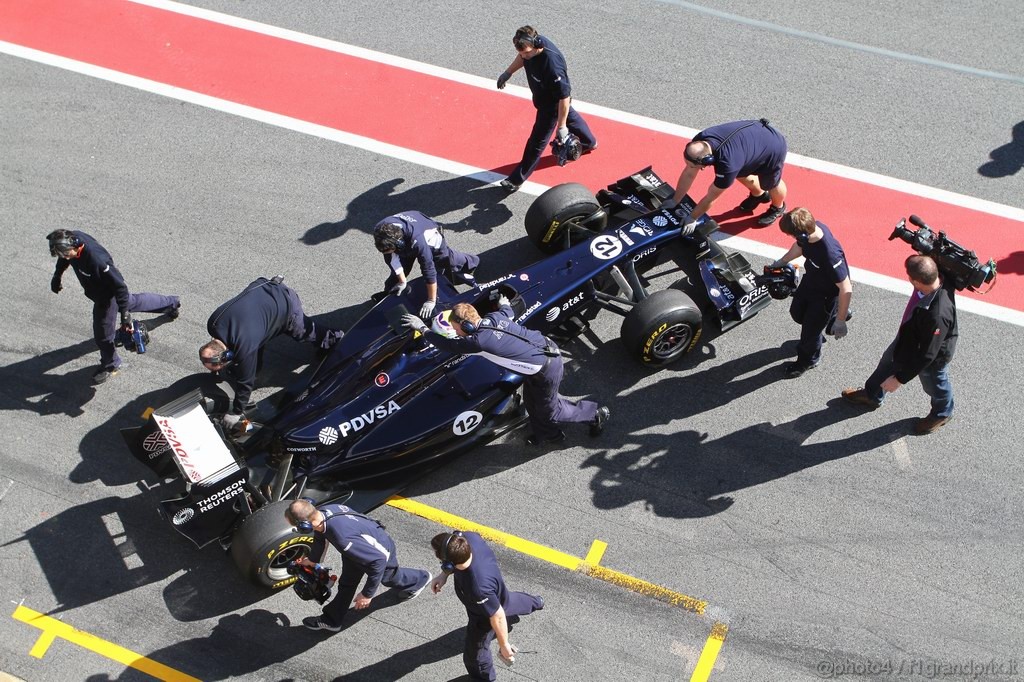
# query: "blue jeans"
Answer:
x=934 y=380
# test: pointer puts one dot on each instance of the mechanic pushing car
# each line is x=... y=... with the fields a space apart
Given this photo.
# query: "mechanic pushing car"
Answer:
x=241 y=328
x=822 y=301
x=548 y=78
x=752 y=152
x=410 y=236
x=106 y=288
x=366 y=550
x=498 y=338
x=491 y=607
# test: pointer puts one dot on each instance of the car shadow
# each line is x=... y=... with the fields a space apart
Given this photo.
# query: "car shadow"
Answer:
x=32 y=384
x=113 y=545
x=1008 y=159
x=435 y=199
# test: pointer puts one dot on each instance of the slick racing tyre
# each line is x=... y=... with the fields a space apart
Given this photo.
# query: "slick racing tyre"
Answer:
x=560 y=209
x=265 y=543
x=662 y=328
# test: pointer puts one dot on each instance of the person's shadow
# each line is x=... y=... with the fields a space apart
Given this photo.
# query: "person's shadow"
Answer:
x=1007 y=159
x=32 y=384
x=433 y=199
x=406 y=662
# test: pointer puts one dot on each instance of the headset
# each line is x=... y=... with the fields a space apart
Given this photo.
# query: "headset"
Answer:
x=63 y=242
x=709 y=159
x=227 y=355
x=522 y=36
x=471 y=328
x=305 y=526
x=221 y=358
x=446 y=564
x=386 y=239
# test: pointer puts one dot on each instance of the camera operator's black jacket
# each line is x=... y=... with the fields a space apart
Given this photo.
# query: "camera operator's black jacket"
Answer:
x=95 y=269
x=929 y=336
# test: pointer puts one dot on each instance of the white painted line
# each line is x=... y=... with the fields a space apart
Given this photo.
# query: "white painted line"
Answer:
x=901 y=453
x=453 y=167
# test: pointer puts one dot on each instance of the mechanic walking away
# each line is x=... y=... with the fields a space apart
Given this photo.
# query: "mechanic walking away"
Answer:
x=366 y=550
x=524 y=351
x=924 y=346
x=409 y=236
x=548 y=77
x=106 y=288
x=492 y=609
x=752 y=152
x=822 y=301
x=241 y=328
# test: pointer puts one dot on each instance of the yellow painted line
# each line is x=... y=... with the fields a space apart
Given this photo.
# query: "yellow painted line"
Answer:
x=596 y=552
x=706 y=662
x=53 y=628
x=552 y=556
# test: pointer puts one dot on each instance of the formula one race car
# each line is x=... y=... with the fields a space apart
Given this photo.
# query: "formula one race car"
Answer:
x=384 y=406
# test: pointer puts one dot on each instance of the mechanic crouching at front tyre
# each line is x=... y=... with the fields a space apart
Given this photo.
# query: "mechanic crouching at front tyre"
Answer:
x=525 y=351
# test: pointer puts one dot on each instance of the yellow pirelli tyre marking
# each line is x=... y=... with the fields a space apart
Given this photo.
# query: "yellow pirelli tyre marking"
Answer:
x=53 y=628
x=588 y=566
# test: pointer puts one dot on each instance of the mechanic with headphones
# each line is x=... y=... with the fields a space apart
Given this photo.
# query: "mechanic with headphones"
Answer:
x=366 y=549
x=241 y=328
x=498 y=338
x=106 y=288
x=821 y=303
x=548 y=78
x=410 y=236
x=752 y=152
x=492 y=609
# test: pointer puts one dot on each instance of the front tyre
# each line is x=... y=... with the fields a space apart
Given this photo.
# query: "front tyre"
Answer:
x=561 y=209
x=265 y=543
x=662 y=328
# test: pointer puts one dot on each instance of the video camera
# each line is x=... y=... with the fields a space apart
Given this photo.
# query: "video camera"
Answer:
x=134 y=340
x=953 y=260
x=570 y=150
x=781 y=281
x=314 y=582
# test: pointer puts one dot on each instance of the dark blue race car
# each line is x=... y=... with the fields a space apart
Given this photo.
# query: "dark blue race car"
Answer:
x=385 y=406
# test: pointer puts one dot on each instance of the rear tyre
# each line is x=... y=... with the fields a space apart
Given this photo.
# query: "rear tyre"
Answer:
x=662 y=328
x=265 y=543
x=557 y=210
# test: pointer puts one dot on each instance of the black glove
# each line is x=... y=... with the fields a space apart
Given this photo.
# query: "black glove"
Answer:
x=126 y=320
x=502 y=79
x=55 y=285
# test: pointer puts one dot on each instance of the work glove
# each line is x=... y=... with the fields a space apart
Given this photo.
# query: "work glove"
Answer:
x=502 y=79
x=562 y=134
x=839 y=329
x=410 y=321
x=689 y=228
x=503 y=302
x=230 y=421
x=399 y=288
x=55 y=285
x=427 y=309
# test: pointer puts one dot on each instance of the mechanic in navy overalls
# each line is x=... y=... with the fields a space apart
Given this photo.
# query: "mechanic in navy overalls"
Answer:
x=752 y=152
x=823 y=297
x=548 y=78
x=105 y=287
x=498 y=338
x=410 y=236
x=366 y=550
x=242 y=326
x=492 y=609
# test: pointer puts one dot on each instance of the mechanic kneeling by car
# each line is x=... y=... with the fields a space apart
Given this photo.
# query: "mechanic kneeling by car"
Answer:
x=241 y=328
x=524 y=351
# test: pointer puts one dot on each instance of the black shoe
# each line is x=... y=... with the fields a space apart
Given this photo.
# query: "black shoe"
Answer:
x=409 y=596
x=104 y=374
x=318 y=623
x=600 y=419
x=509 y=186
x=534 y=441
x=175 y=312
x=771 y=215
x=751 y=202
x=540 y=603
x=795 y=369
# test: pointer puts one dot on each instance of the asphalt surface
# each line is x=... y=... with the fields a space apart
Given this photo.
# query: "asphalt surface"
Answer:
x=816 y=532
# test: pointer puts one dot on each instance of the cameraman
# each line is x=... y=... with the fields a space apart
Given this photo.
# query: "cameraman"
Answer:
x=365 y=550
x=924 y=347
x=822 y=301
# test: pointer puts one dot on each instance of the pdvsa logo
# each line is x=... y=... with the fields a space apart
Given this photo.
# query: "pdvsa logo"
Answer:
x=328 y=435
x=362 y=421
